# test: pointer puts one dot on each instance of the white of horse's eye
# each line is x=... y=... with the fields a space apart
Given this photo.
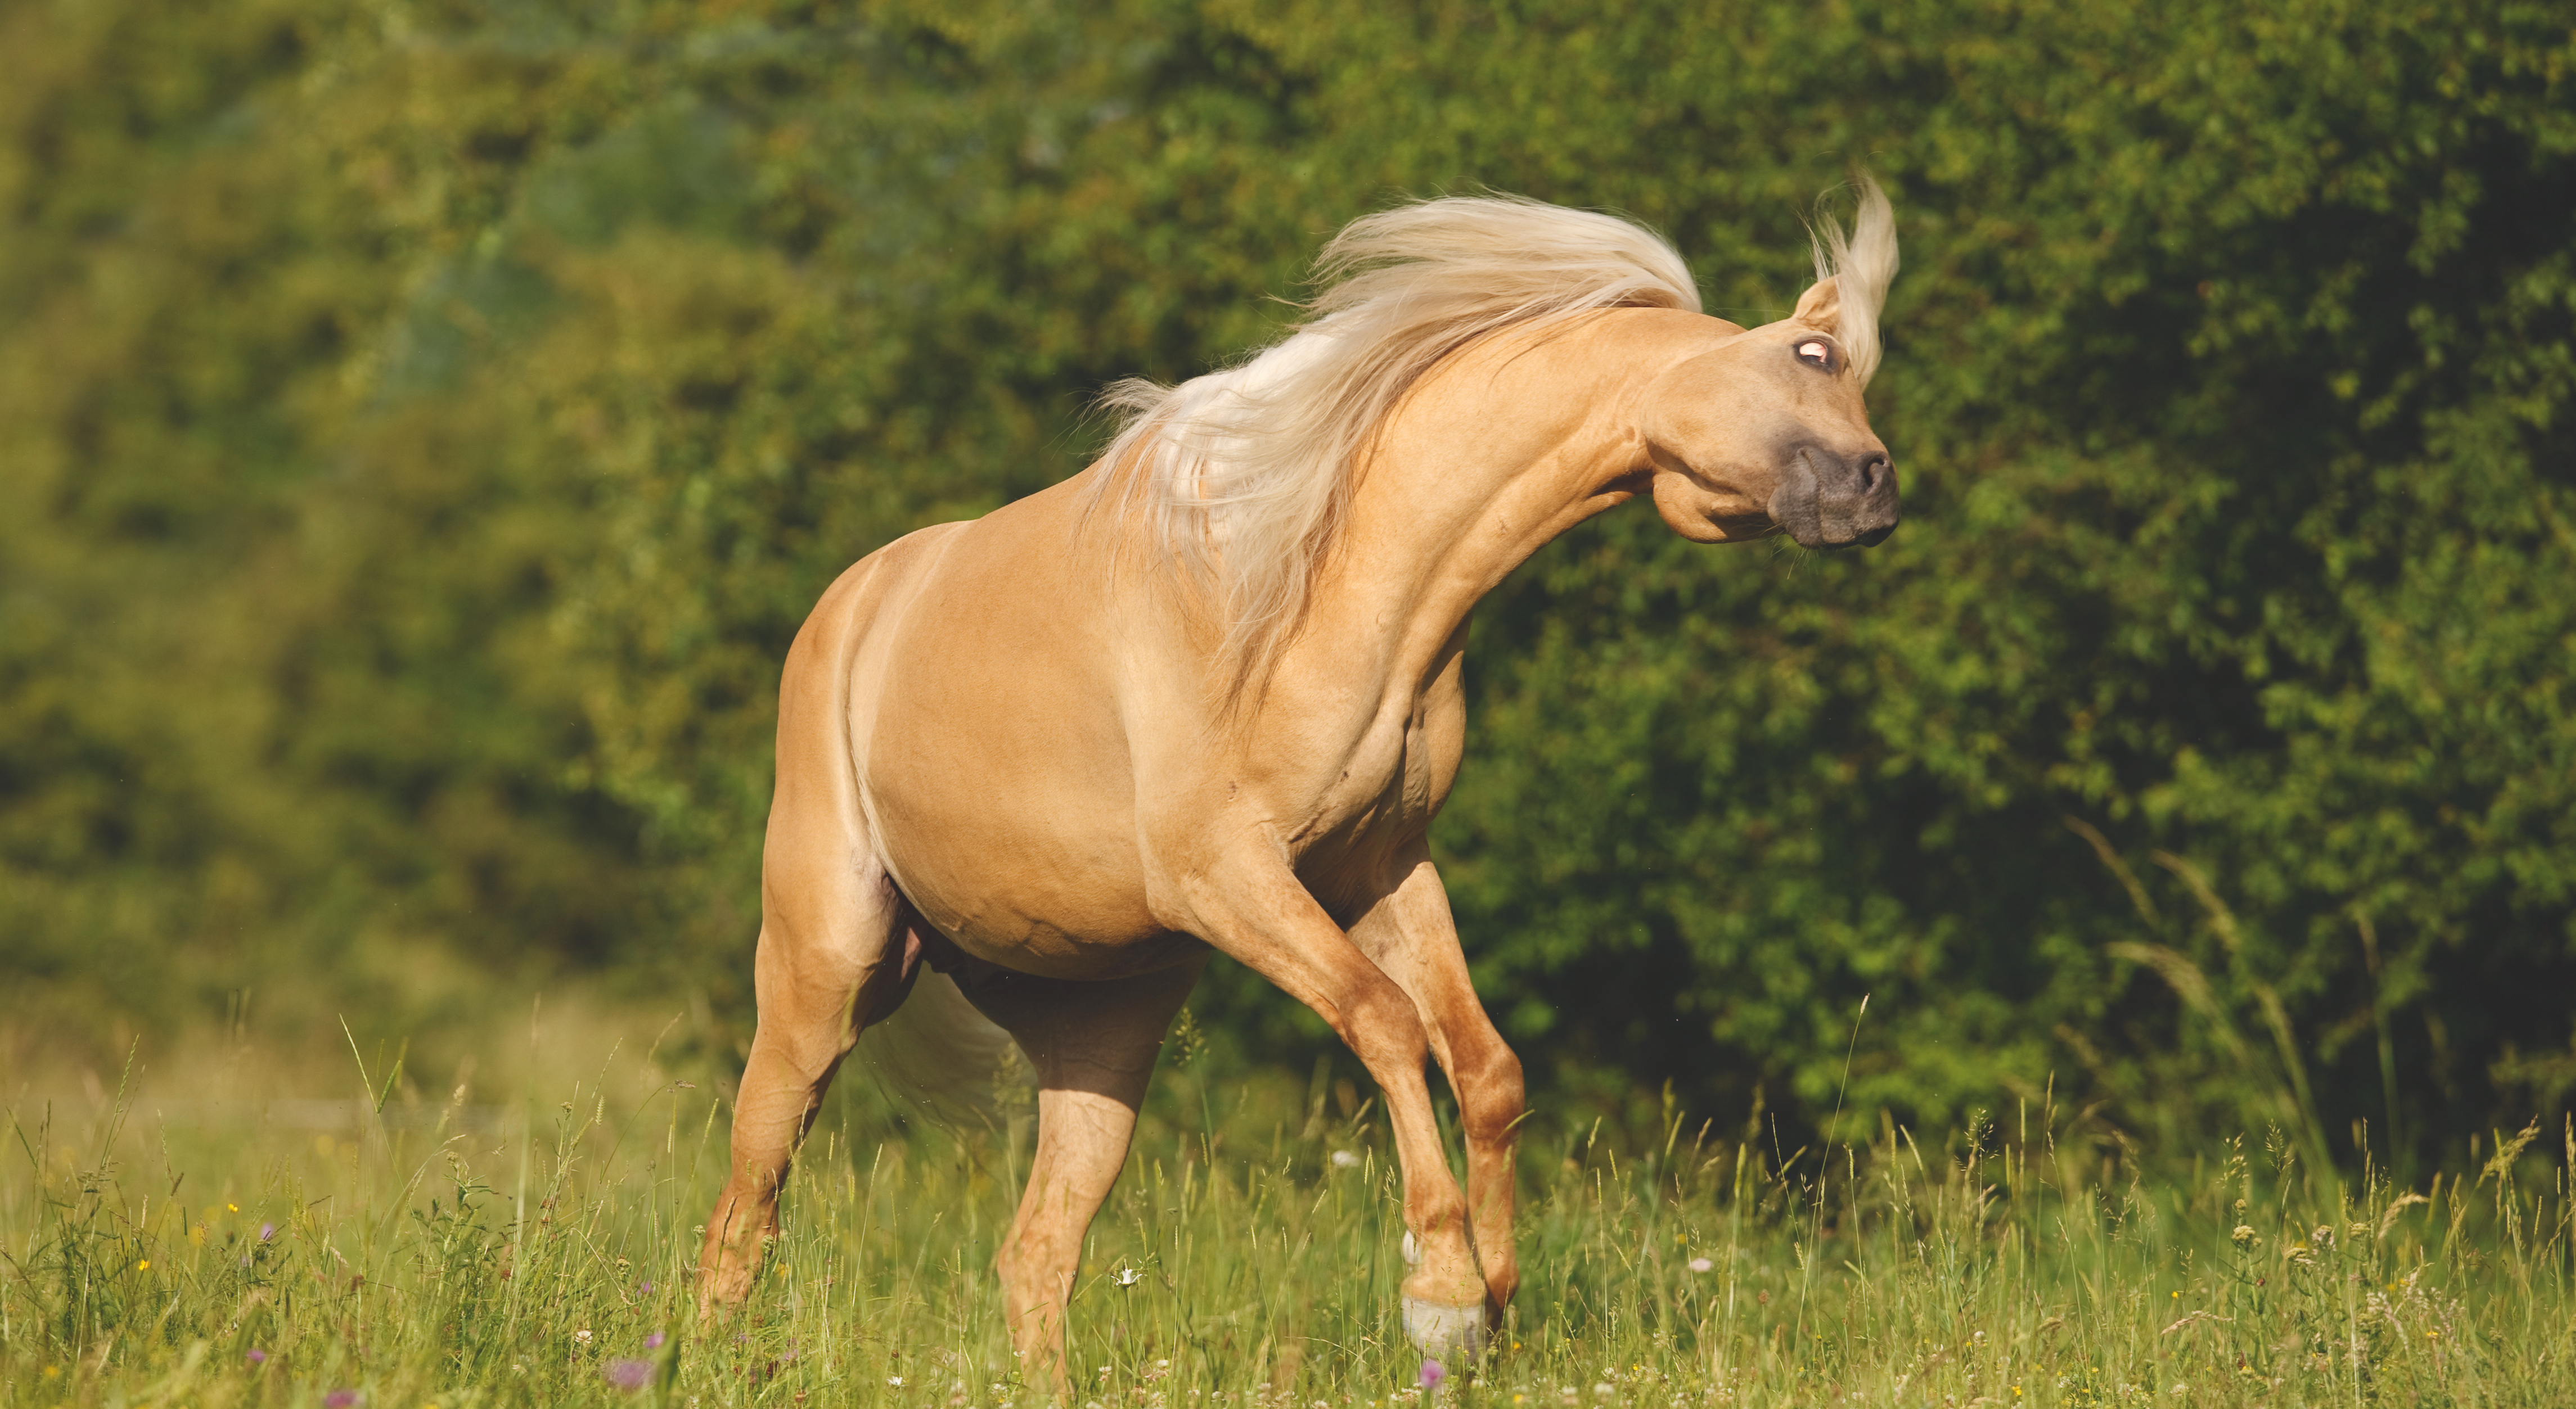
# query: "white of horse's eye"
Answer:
x=1814 y=352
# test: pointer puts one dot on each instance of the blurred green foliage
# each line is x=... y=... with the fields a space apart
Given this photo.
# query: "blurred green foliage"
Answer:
x=424 y=426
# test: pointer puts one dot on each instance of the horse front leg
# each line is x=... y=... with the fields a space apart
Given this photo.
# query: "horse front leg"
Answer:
x=1409 y=933
x=1256 y=911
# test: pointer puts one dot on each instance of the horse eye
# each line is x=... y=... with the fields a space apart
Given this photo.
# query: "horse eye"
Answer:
x=1816 y=353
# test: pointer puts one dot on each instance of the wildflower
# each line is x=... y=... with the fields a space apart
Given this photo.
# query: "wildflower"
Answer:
x=1433 y=1372
x=1126 y=1276
x=895 y=1380
x=1701 y=1264
x=1344 y=1159
x=654 y=1341
x=257 y=1356
x=628 y=1375
x=235 y=1208
x=341 y=1399
x=2242 y=1237
x=267 y=1231
x=582 y=1336
x=144 y=1266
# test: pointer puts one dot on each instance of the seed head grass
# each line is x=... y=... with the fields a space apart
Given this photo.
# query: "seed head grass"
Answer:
x=395 y=1250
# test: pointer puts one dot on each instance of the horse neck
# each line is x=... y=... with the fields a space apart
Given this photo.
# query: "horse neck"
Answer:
x=1505 y=446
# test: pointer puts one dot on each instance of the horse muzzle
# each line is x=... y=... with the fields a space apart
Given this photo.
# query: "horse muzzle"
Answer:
x=1833 y=501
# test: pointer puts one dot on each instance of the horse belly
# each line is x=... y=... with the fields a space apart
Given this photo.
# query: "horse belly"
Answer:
x=997 y=776
x=1023 y=887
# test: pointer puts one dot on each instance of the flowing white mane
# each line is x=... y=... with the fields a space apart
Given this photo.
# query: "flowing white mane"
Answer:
x=1245 y=475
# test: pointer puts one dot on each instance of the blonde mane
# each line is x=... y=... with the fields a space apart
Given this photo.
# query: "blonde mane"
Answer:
x=1245 y=475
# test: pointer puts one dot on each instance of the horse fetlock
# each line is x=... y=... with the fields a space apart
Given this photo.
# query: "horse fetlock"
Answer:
x=1444 y=1271
x=724 y=1279
x=1456 y=1335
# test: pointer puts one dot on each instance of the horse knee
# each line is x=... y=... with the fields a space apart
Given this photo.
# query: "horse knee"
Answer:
x=1383 y=1028
x=1490 y=1094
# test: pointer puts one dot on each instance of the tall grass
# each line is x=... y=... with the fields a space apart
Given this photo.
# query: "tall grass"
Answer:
x=450 y=1253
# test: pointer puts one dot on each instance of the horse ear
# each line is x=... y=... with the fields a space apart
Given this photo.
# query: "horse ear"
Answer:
x=1820 y=307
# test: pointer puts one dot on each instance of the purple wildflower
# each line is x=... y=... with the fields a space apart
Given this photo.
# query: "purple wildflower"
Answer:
x=267 y=1231
x=647 y=1288
x=257 y=1356
x=341 y=1399
x=654 y=1341
x=1433 y=1372
x=629 y=1375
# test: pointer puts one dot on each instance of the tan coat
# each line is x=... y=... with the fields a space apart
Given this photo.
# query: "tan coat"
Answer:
x=1014 y=746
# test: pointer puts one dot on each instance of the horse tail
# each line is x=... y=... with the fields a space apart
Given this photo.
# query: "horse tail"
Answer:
x=940 y=1058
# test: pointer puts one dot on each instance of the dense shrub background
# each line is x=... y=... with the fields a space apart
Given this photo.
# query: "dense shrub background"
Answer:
x=422 y=427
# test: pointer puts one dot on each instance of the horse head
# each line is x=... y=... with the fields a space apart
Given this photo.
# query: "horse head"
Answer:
x=1765 y=429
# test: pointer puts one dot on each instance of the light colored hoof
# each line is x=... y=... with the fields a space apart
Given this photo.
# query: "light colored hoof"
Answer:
x=1454 y=1335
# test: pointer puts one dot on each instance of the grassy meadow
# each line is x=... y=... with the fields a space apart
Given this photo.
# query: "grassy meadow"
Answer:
x=191 y=1236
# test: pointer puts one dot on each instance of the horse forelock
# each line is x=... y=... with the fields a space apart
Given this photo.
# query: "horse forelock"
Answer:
x=1862 y=266
x=1244 y=476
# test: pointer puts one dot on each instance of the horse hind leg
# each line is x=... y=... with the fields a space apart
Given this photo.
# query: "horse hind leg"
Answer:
x=830 y=959
x=1093 y=1045
x=829 y=963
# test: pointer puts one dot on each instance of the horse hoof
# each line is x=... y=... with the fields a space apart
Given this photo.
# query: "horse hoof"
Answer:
x=1455 y=1334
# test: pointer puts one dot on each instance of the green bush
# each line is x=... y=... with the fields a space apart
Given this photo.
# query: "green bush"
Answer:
x=424 y=429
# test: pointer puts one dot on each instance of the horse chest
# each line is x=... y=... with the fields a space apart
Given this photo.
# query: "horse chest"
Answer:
x=1393 y=778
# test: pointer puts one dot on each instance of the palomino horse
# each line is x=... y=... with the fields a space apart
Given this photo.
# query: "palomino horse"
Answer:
x=1205 y=696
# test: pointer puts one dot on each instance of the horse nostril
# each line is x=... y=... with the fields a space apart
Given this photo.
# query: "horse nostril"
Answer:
x=1874 y=472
